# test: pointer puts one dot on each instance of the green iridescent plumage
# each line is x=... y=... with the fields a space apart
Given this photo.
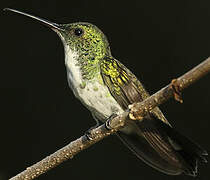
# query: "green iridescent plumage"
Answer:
x=92 y=46
x=120 y=82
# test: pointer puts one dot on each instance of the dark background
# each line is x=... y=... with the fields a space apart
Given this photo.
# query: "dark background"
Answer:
x=157 y=40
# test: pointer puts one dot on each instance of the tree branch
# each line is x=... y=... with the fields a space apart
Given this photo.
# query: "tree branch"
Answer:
x=136 y=111
x=140 y=109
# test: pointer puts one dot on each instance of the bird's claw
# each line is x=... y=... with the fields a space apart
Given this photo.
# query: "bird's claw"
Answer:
x=107 y=123
x=88 y=132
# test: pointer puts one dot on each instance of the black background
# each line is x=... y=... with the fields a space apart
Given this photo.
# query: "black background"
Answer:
x=157 y=40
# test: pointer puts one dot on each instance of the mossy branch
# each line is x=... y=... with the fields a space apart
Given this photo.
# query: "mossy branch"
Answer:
x=135 y=111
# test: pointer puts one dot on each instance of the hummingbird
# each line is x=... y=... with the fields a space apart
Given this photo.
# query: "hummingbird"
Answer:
x=106 y=87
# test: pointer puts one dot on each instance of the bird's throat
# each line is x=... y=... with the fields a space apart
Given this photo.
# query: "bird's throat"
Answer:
x=79 y=68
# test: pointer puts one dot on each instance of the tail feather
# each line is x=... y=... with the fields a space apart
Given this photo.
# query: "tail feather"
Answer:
x=144 y=152
x=191 y=152
x=162 y=147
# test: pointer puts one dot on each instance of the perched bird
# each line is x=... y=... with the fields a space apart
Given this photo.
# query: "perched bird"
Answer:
x=106 y=87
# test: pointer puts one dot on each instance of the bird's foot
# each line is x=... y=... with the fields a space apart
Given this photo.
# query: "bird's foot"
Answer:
x=107 y=123
x=107 y=126
x=88 y=132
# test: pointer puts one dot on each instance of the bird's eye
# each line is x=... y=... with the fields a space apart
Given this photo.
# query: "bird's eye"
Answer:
x=78 y=31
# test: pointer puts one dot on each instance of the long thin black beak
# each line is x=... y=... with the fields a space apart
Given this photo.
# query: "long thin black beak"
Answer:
x=52 y=25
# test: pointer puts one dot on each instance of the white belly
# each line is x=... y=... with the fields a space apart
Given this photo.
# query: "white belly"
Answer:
x=94 y=94
x=97 y=96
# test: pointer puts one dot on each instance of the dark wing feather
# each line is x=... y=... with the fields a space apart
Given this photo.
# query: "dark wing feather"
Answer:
x=152 y=140
x=124 y=86
x=121 y=83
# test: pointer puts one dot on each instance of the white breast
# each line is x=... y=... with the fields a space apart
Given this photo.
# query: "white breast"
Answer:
x=73 y=69
x=94 y=95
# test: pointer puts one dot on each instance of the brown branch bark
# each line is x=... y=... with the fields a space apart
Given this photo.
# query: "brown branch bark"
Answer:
x=136 y=111
x=139 y=110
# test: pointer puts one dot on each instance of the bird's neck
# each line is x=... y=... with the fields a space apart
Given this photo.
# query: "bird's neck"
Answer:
x=80 y=68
